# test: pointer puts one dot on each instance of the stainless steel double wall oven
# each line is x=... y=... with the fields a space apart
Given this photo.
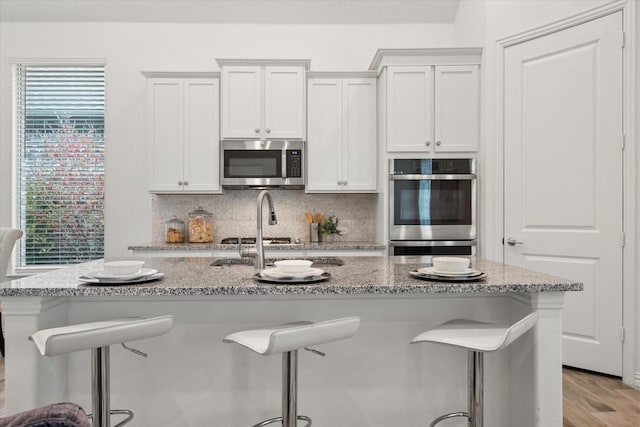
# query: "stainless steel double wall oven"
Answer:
x=433 y=205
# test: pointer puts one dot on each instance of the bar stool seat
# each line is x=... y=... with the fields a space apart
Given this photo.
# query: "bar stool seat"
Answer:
x=288 y=339
x=478 y=338
x=98 y=336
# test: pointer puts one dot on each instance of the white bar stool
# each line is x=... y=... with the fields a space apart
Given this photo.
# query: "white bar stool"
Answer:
x=477 y=338
x=287 y=339
x=98 y=336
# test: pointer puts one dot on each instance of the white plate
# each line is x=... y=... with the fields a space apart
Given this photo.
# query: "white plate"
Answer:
x=423 y=276
x=469 y=272
x=87 y=280
x=292 y=280
x=106 y=275
x=276 y=273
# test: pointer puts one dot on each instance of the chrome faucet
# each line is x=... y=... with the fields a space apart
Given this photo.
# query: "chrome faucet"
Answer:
x=259 y=250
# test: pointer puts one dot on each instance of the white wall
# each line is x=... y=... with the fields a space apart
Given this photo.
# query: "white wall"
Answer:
x=132 y=47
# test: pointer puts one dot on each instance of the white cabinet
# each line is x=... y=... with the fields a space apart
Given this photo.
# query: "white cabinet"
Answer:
x=341 y=146
x=263 y=101
x=183 y=133
x=433 y=108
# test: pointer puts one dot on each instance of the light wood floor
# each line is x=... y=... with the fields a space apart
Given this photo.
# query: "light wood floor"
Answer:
x=590 y=400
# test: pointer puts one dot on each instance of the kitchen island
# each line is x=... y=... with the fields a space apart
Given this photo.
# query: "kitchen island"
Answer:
x=375 y=379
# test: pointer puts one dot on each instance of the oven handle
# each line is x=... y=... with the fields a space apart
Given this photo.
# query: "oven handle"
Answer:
x=417 y=243
x=413 y=177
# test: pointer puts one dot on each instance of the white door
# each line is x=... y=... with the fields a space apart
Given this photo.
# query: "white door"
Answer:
x=410 y=108
x=201 y=135
x=284 y=102
x=359 y=149
x=563 y=177
x=457 y=108
x=241 y=104
x=325 y=135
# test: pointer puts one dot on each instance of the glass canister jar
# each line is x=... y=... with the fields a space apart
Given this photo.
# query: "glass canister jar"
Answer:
x=174 y=230
x=200 y=226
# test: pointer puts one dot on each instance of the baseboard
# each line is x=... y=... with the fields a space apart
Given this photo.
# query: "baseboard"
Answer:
x=636 y=383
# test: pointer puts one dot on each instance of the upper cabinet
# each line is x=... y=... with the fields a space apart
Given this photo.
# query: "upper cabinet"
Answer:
x=183 y=132
x=341 y=146
x=431 y=99
x=263 y=99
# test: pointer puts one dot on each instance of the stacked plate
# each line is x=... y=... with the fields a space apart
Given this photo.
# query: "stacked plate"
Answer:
x=112 y=279
x=292 y=271
x=431 y=273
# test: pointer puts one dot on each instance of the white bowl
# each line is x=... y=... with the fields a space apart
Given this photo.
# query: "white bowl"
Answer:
x=293 y=265
x=122 y=268
x=450 y=264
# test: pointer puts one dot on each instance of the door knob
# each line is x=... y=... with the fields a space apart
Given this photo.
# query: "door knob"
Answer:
x=511 y=241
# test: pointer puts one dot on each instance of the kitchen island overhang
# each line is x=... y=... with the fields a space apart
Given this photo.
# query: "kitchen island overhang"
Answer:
x=375 y=379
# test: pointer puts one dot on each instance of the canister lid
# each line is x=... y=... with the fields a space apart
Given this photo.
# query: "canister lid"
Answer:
x=175 y=220
x=200 y=211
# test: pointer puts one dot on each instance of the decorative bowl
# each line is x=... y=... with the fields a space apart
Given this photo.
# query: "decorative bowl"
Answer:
x=123 y=268
x=450 y=264
x=293 y=265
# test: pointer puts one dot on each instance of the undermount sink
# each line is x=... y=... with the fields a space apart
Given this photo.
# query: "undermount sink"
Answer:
x=326 y=261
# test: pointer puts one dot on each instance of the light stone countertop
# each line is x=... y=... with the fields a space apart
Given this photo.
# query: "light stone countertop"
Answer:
x=358 y=276
x=305 y=246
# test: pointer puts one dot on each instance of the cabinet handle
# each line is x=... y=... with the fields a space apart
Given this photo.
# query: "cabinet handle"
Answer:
x=268 y=130
x=186 y=183
x=339 y=182
x=257 y=130
x=179 y=182
x=428 y=143
x=344 y=182
x=438 y=143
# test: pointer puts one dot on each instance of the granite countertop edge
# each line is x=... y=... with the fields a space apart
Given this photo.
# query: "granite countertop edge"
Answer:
x=358 y=276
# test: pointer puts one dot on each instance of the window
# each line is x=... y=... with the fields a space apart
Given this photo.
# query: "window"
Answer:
x=59 y=140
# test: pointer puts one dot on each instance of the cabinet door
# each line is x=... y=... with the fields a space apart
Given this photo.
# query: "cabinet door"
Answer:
x=410 y=108
x=325 y=135
x=241 y=102
x=284 y=103
x=457 y=108
x=201 y=135
x=359 y=152
x=165 y=133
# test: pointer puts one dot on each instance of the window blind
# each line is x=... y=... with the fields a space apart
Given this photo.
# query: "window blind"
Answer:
x=59 y=136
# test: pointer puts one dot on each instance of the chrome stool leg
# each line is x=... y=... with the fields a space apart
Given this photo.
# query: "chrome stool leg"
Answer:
x=100 y=391
x=290 y=415
x=475 y=378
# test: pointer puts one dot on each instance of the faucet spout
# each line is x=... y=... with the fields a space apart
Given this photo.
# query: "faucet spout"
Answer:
x=272 y=221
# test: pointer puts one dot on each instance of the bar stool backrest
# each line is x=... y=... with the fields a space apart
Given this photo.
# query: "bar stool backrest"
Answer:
x=8 y=237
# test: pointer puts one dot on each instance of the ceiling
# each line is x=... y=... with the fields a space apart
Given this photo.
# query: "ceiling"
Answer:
x=232 y=11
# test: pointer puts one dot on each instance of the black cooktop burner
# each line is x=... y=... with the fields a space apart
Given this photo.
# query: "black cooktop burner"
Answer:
x=252 y=240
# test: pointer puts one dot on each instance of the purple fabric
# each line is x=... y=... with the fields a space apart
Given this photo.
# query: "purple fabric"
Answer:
x=56 y=415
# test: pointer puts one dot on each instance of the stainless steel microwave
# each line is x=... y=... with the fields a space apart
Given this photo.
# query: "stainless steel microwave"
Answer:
x=262 y=164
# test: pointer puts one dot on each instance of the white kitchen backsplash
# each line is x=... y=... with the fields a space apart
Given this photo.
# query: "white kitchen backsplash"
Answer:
x=234 y=213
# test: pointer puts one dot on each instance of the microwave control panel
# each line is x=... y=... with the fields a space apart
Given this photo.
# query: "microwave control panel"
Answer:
x=294 y=163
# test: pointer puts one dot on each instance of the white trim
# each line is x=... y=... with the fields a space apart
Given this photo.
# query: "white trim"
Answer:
x=562 y=24
x=58 y=61
x=341 y=74
x=630 y=165
x=182 y=75
x=426 y=56
x=636 y=383
x=306 y=63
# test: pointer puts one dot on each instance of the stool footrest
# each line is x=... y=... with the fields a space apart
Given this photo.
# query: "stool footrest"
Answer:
x=279 y=419
x=447 y=416
x=119 y=412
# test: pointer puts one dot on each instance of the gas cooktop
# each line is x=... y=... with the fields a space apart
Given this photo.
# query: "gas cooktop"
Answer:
x=252 y=241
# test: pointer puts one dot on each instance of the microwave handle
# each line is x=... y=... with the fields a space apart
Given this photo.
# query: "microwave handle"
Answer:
x=284 y=163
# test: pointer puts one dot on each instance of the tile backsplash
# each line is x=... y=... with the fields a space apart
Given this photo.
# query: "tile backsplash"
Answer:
x=234 y=213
